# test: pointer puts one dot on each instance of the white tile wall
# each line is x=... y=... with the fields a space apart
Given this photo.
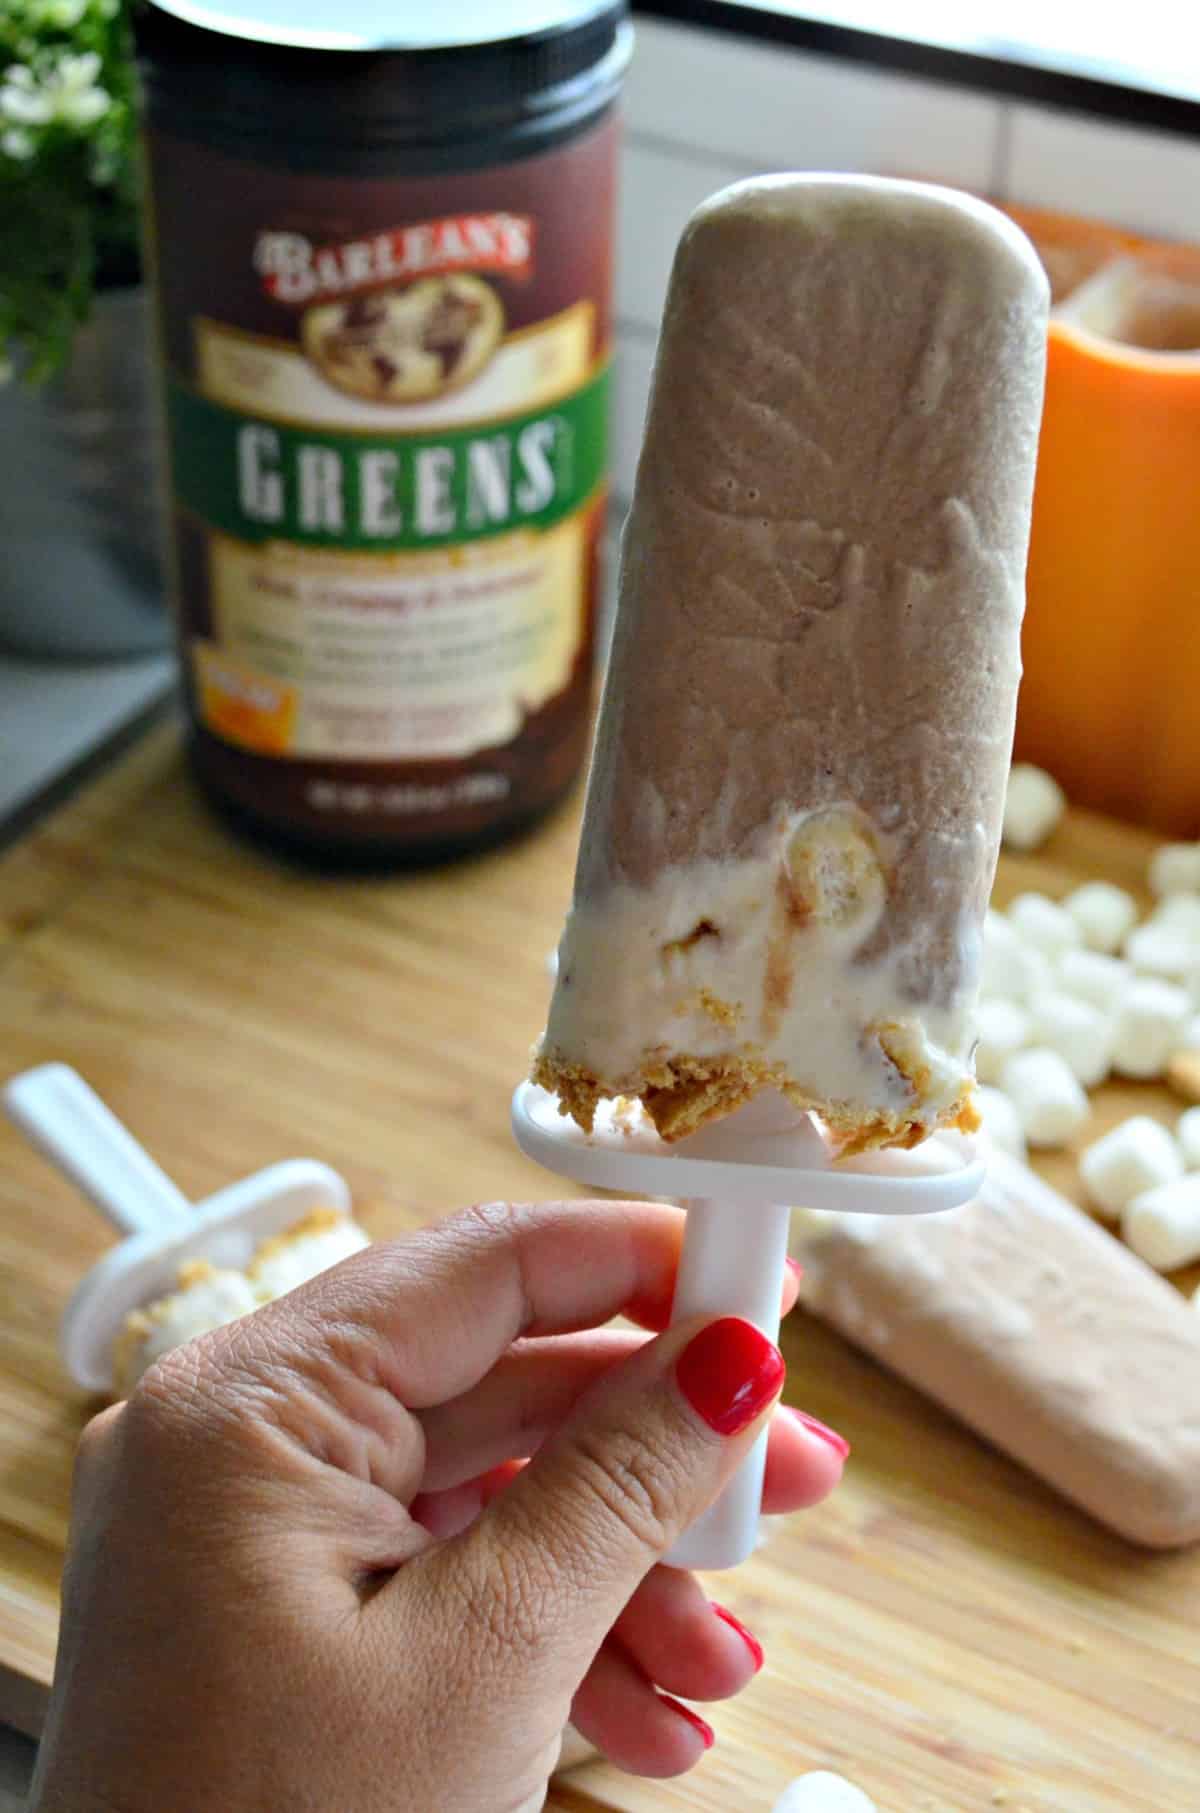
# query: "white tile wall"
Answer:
x=703 y=109
x=1130 y=177
x=631 y=387
x=768 y=107
x=659 y=189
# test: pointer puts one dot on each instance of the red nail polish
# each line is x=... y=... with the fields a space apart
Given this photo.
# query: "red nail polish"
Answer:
x=693 y=1719
x=652 y=1312
x=748 y=1637
x=838 y=1443
x=794 y=1267
x=729 y=1373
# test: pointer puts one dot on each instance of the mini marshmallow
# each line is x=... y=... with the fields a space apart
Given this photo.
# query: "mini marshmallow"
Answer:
x=1079 y=1032
x=1163 y=1226
x=1105 y=914
x=1041 y=922
x=1175 y=869
x=1187 y=1136
x=1002 y=1028
x=1179 y=911
x=1033 y=806
x=1096 y=979
x=1001 y=1122
x=1158 y=949
x=823 y=1792
x=1137 y=1156
x=1050 y=1104
x=1012 y=969
x=1149 y=1022
x=1189 y=1038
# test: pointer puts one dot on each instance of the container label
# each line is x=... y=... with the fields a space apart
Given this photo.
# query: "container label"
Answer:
x=387 y=426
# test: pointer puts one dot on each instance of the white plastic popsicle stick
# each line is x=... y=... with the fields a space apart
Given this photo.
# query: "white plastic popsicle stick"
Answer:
x=66 y=1120
x=731 y=1176
x=731 y=1265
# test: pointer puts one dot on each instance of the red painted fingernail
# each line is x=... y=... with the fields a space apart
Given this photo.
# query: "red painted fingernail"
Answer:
x=794 y=1267
x=693 y=1719
x=748 y=1637
x=729 y=1373
x=822 y=1431
x=652 y=1312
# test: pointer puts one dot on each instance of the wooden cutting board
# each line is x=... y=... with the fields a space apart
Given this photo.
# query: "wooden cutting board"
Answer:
x=945 y=1631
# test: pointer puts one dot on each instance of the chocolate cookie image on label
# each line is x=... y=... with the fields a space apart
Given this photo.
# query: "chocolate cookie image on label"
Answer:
x=407 y=345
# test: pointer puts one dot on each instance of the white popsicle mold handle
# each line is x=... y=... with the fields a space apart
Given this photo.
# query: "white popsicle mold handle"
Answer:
x=67 y=1121
x=730 y=1176
x=732 y=1264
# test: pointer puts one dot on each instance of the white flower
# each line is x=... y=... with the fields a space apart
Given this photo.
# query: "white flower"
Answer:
x=23 y=104
x=17 y=143
x=68 y=94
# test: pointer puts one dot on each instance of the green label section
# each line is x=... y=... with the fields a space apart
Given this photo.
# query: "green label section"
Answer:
x=262 y=481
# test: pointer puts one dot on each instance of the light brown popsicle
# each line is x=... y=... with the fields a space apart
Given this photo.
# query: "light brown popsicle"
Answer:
x=1041 y=1332
x=794 y=806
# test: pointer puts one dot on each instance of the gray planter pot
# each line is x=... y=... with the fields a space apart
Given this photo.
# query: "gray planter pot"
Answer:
x=81 y=569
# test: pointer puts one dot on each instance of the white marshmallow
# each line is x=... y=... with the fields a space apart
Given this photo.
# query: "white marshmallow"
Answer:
x=1187 y=1134
x=1041 y=922
x=823 y=1792
x=1079 y=1032
x=1012 y=969
x=1158 y=949
x=1096 y=979
x=1175 y=869
x=1049 y=1102
x=1135 y=1157
x=1001 y=1122
x=1181 y=912
x=1033 y=806
x=1104 y=914
x=1163 y=1226
x=1150 y=1019
x=1002 y=1027
x=1189 y=1038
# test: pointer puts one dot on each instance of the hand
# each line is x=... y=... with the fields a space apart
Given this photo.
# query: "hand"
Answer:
x=307 y=1570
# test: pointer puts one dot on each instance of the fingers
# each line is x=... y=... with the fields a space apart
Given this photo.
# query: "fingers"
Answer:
x=804 y=1461
x=552 y=1562
x=655 y=1312
x=430 y=1315
x=804 y=1458
x=509 y=1413
x=648 y=1733
x=683 y=1642
x=532 y=1388
x=449 y=1513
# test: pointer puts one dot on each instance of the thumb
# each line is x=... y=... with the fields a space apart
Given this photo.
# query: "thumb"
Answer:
x=554 y=1559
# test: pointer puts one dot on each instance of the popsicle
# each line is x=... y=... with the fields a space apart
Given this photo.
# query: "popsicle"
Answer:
x=795 y=799
x=1038 y=1329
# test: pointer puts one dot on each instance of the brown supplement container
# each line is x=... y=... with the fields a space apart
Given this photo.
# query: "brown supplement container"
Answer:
x=381 y=240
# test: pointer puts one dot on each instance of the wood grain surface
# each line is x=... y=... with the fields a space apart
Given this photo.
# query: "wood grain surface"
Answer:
x=945 y=1631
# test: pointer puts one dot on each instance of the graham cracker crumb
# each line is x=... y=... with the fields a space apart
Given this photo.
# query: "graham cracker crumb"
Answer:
x=683 y=1093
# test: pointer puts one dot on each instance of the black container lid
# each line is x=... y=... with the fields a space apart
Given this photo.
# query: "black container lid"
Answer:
x=372 y=69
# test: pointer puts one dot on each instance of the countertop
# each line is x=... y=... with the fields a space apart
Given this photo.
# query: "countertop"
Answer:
x=944 y=1630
